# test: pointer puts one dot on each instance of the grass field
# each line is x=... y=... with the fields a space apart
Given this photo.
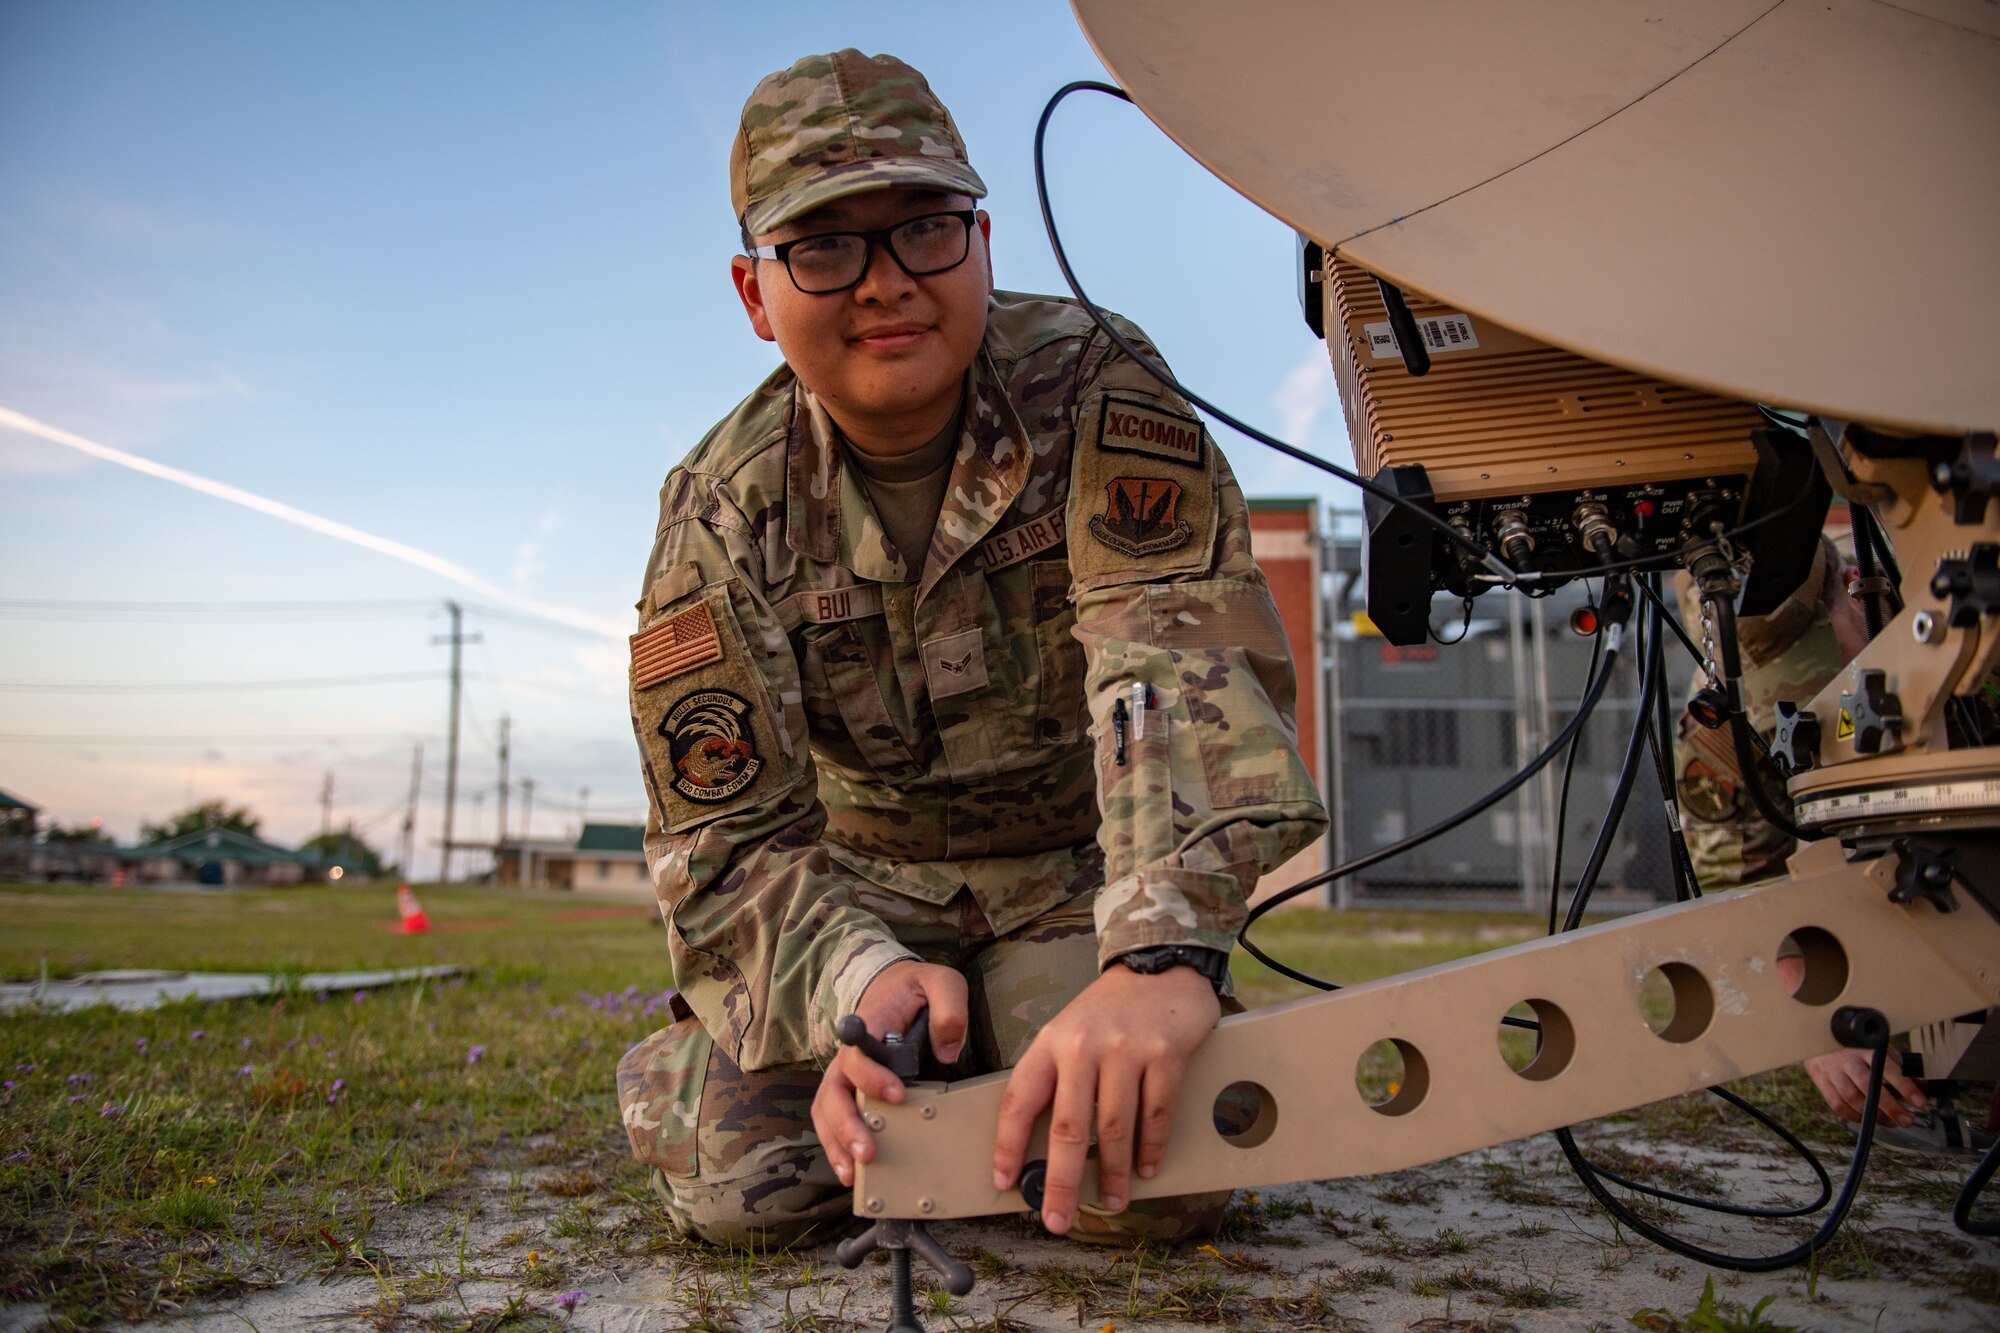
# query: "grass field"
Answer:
x=149 y=1160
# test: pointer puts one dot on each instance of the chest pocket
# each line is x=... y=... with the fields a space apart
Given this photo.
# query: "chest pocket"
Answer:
x=1005 y=675
x=858 y=712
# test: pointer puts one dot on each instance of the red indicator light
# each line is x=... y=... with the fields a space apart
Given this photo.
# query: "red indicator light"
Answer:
x=1583 y=620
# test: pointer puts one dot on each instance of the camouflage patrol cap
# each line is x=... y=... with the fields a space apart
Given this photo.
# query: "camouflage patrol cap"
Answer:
x=836 y=125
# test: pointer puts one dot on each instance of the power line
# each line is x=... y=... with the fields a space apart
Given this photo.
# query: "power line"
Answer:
x=209 y=686
x=38 y=608
x=530 y=622
x=200 y=738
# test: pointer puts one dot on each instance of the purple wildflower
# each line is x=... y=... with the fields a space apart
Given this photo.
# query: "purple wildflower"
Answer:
x=323 y=997
x=243 y=1045
x=24 y=1069
x=74 y=1079
x=293 y=1042
x=569 y=1299
x=475 y=1055
x=317 y=1040
x=18 y=1157
x=74 y=1100
x=140 y=1044
x=333 y=1094
x=8 y=1086
x=197 y=1035
x=109 y=1111
x=361 y=997
x=246 y=1071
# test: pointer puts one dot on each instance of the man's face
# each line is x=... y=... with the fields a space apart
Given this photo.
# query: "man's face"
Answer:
x=888 y=355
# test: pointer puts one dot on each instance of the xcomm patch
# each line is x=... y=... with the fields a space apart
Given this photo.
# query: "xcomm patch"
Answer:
x=1131 y=426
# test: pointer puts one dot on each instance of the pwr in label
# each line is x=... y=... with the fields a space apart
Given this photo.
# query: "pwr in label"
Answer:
x=1440 y=333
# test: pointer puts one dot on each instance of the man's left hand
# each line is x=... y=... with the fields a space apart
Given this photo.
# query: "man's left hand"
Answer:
x=1113 y=1059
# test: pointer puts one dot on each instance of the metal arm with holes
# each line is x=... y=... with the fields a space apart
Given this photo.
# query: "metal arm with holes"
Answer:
x=1882 y=917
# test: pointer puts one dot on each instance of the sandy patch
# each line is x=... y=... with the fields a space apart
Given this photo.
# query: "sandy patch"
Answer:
x=1495 y=1239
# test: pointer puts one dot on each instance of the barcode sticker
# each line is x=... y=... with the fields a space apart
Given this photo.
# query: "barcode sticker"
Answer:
x=1441 y=333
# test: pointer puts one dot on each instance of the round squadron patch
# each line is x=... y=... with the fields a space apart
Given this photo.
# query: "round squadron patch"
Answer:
x=1141 y=516
x=1709 y=794
x=713 y=747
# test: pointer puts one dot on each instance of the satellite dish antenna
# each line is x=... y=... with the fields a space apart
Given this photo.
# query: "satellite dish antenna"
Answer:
x=1787 y=202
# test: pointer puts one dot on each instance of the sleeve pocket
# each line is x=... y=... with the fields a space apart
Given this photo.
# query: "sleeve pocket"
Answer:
x=703 y=714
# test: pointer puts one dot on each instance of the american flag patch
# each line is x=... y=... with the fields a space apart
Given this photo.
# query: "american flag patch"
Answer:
x=679 y=643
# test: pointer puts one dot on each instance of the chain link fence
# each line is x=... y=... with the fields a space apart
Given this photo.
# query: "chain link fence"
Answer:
x=1419 y=733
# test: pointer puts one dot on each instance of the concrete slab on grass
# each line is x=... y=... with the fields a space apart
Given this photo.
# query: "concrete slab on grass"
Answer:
x=139 y=988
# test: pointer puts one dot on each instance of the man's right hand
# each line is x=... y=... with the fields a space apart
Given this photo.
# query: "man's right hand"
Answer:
x=890 y=1004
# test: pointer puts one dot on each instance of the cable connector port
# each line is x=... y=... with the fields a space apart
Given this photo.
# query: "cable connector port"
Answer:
x=1516 y=542
x=1595 y=529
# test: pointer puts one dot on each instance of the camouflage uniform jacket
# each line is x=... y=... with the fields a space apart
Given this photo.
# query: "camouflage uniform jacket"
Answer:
x=1788 y=654
x=814 y=714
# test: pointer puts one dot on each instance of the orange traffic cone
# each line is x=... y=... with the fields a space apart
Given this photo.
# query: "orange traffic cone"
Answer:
x=414 y=920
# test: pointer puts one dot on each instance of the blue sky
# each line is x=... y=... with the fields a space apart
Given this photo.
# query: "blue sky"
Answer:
x=454 y=275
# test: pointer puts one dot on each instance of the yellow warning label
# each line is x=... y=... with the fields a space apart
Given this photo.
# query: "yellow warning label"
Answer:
x=1845 y=731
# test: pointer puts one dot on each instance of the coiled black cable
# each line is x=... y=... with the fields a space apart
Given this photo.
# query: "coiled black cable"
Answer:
x=1593 y=1180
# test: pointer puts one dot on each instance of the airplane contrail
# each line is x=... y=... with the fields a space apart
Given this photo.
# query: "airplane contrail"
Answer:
x=326 y=527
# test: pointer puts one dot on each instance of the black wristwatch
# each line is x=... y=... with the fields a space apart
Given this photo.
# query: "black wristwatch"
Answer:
x=1211 y=963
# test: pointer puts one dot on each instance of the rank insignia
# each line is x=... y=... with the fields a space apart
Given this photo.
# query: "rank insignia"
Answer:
x=712 y=746
x=1141 y=516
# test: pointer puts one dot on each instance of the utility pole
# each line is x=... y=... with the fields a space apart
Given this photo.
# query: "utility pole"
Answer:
x=457 y=640
x=326 y=805
x=529 y=874
x=505 y=724
x=409 y=850
x=582 y=809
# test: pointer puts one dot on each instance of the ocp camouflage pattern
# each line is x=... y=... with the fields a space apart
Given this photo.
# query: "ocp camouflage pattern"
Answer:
x=834 y=124
x=926 y=730
x=1788 y=654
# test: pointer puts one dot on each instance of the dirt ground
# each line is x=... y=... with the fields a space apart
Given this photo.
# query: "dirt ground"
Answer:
x=1503 y=1238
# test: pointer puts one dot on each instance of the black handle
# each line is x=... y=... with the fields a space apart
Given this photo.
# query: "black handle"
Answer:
x=902 y=1054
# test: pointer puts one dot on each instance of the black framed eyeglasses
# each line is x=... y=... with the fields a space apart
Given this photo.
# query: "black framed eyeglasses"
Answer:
x=833 y=261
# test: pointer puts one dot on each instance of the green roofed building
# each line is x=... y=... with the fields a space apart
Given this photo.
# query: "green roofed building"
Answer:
x=604 y=858
x=17 y=817
x=217 y=856
x=611 y=858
